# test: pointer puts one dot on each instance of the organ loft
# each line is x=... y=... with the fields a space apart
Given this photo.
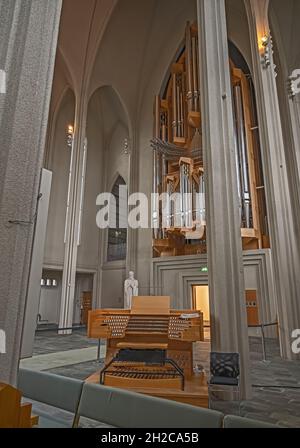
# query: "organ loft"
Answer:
x=179 y=166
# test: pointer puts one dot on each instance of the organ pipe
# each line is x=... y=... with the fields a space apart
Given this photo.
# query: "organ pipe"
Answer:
x=243 y=157
x=189 y=68
x=195 y=74
x=178 y=133
x=157 y=117
x=175 y=122
x=178 y=162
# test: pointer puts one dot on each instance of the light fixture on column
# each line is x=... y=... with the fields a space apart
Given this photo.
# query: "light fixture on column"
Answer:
x=293 y=83
x=265 y=47
x=126 y=146
x=70 y=135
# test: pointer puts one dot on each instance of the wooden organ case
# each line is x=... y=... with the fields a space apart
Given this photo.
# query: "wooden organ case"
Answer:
x=178 y=167
x=150 y=350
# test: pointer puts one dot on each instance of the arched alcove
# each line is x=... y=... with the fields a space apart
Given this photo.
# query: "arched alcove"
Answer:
x=59 y=163
x=106 y=131
x=117 y=237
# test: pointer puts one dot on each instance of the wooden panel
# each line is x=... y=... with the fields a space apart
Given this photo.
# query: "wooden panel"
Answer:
x=195 y=390
x=151 y=305
x=86 y=306
x=25 y=415
x=13 y=414
x=10 y=399
x=252 y=307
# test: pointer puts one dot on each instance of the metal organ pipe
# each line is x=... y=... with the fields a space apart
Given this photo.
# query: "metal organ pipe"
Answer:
x=237 y=164
x=181 y=115
x=160 y=130
x=202 y=197
x=157 y=117
x=170 y=205
x=186 y=195
x=243 y=157
x=164 y=127
x=189 y=68
x=195 y=74
x=174 y=100
x=178 y=110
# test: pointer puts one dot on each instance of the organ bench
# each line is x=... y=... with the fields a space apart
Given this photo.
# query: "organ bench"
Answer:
x=150 y=349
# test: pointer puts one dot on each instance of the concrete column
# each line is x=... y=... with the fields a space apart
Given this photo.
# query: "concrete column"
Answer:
x=133 y=181
x=226 y=278
x=28 y=41
x=73 y=219
x=285 y=247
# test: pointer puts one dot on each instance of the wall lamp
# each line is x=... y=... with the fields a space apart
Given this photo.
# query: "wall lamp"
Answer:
x=265 y=46
x=70 y=135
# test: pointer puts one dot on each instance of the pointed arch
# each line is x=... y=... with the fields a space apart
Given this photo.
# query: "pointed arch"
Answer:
x=117 y=237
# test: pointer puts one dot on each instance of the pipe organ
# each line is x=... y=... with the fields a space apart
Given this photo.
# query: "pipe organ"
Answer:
x=178 y=169
x=150 y=349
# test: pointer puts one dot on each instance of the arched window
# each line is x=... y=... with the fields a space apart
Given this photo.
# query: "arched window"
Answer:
x=117 y=237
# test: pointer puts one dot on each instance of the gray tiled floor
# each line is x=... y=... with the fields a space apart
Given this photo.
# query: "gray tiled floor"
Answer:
x=276 y=383
x=49 y=342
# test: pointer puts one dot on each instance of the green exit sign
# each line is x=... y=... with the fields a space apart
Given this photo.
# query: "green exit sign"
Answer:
x=204 y=269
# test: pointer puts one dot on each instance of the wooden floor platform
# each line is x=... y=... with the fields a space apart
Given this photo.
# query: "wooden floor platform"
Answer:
x=195 y=391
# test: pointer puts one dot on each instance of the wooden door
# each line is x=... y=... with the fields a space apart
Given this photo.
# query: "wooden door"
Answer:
x=252 y=307
x=86 y=306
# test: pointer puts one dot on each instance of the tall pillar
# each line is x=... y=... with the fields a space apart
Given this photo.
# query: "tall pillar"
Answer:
x=284 y=244
x=28 y=41
x=133 y=180
x=73 y=219
x=293 y=125
x=225 y=264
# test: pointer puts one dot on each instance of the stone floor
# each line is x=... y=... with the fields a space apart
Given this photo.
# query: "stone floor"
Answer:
x=275 y=383
x=47 y=341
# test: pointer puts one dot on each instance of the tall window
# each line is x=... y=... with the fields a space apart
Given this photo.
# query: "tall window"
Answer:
x=117 y=238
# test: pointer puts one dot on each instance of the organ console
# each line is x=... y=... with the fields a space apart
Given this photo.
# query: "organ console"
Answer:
x=180 y=224
x=150 y=349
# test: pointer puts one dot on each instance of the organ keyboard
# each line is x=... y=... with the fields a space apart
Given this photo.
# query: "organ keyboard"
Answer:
x=150 y=347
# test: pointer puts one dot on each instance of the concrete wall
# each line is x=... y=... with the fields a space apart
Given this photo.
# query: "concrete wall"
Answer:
x=59 y=164
x=49 y=305
x=174 y=276
x=113 y=277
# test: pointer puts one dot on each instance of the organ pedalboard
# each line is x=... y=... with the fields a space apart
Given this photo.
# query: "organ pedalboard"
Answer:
x=149 y=346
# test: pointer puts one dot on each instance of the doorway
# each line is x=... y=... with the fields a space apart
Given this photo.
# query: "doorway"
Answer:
x=200 y=302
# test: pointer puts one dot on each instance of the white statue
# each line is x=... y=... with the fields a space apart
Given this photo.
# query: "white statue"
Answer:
x=131 y=286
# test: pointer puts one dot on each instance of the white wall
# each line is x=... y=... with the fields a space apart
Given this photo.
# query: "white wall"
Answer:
x=113 y=278
x=88 y=251
x=175 y=276
x=84 y=283
x=50 y=298
x=59 y=164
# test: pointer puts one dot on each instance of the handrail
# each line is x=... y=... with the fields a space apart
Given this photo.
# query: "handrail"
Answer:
x=262 y=327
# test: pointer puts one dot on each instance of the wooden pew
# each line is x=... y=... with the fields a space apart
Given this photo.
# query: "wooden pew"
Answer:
x=13 y=413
